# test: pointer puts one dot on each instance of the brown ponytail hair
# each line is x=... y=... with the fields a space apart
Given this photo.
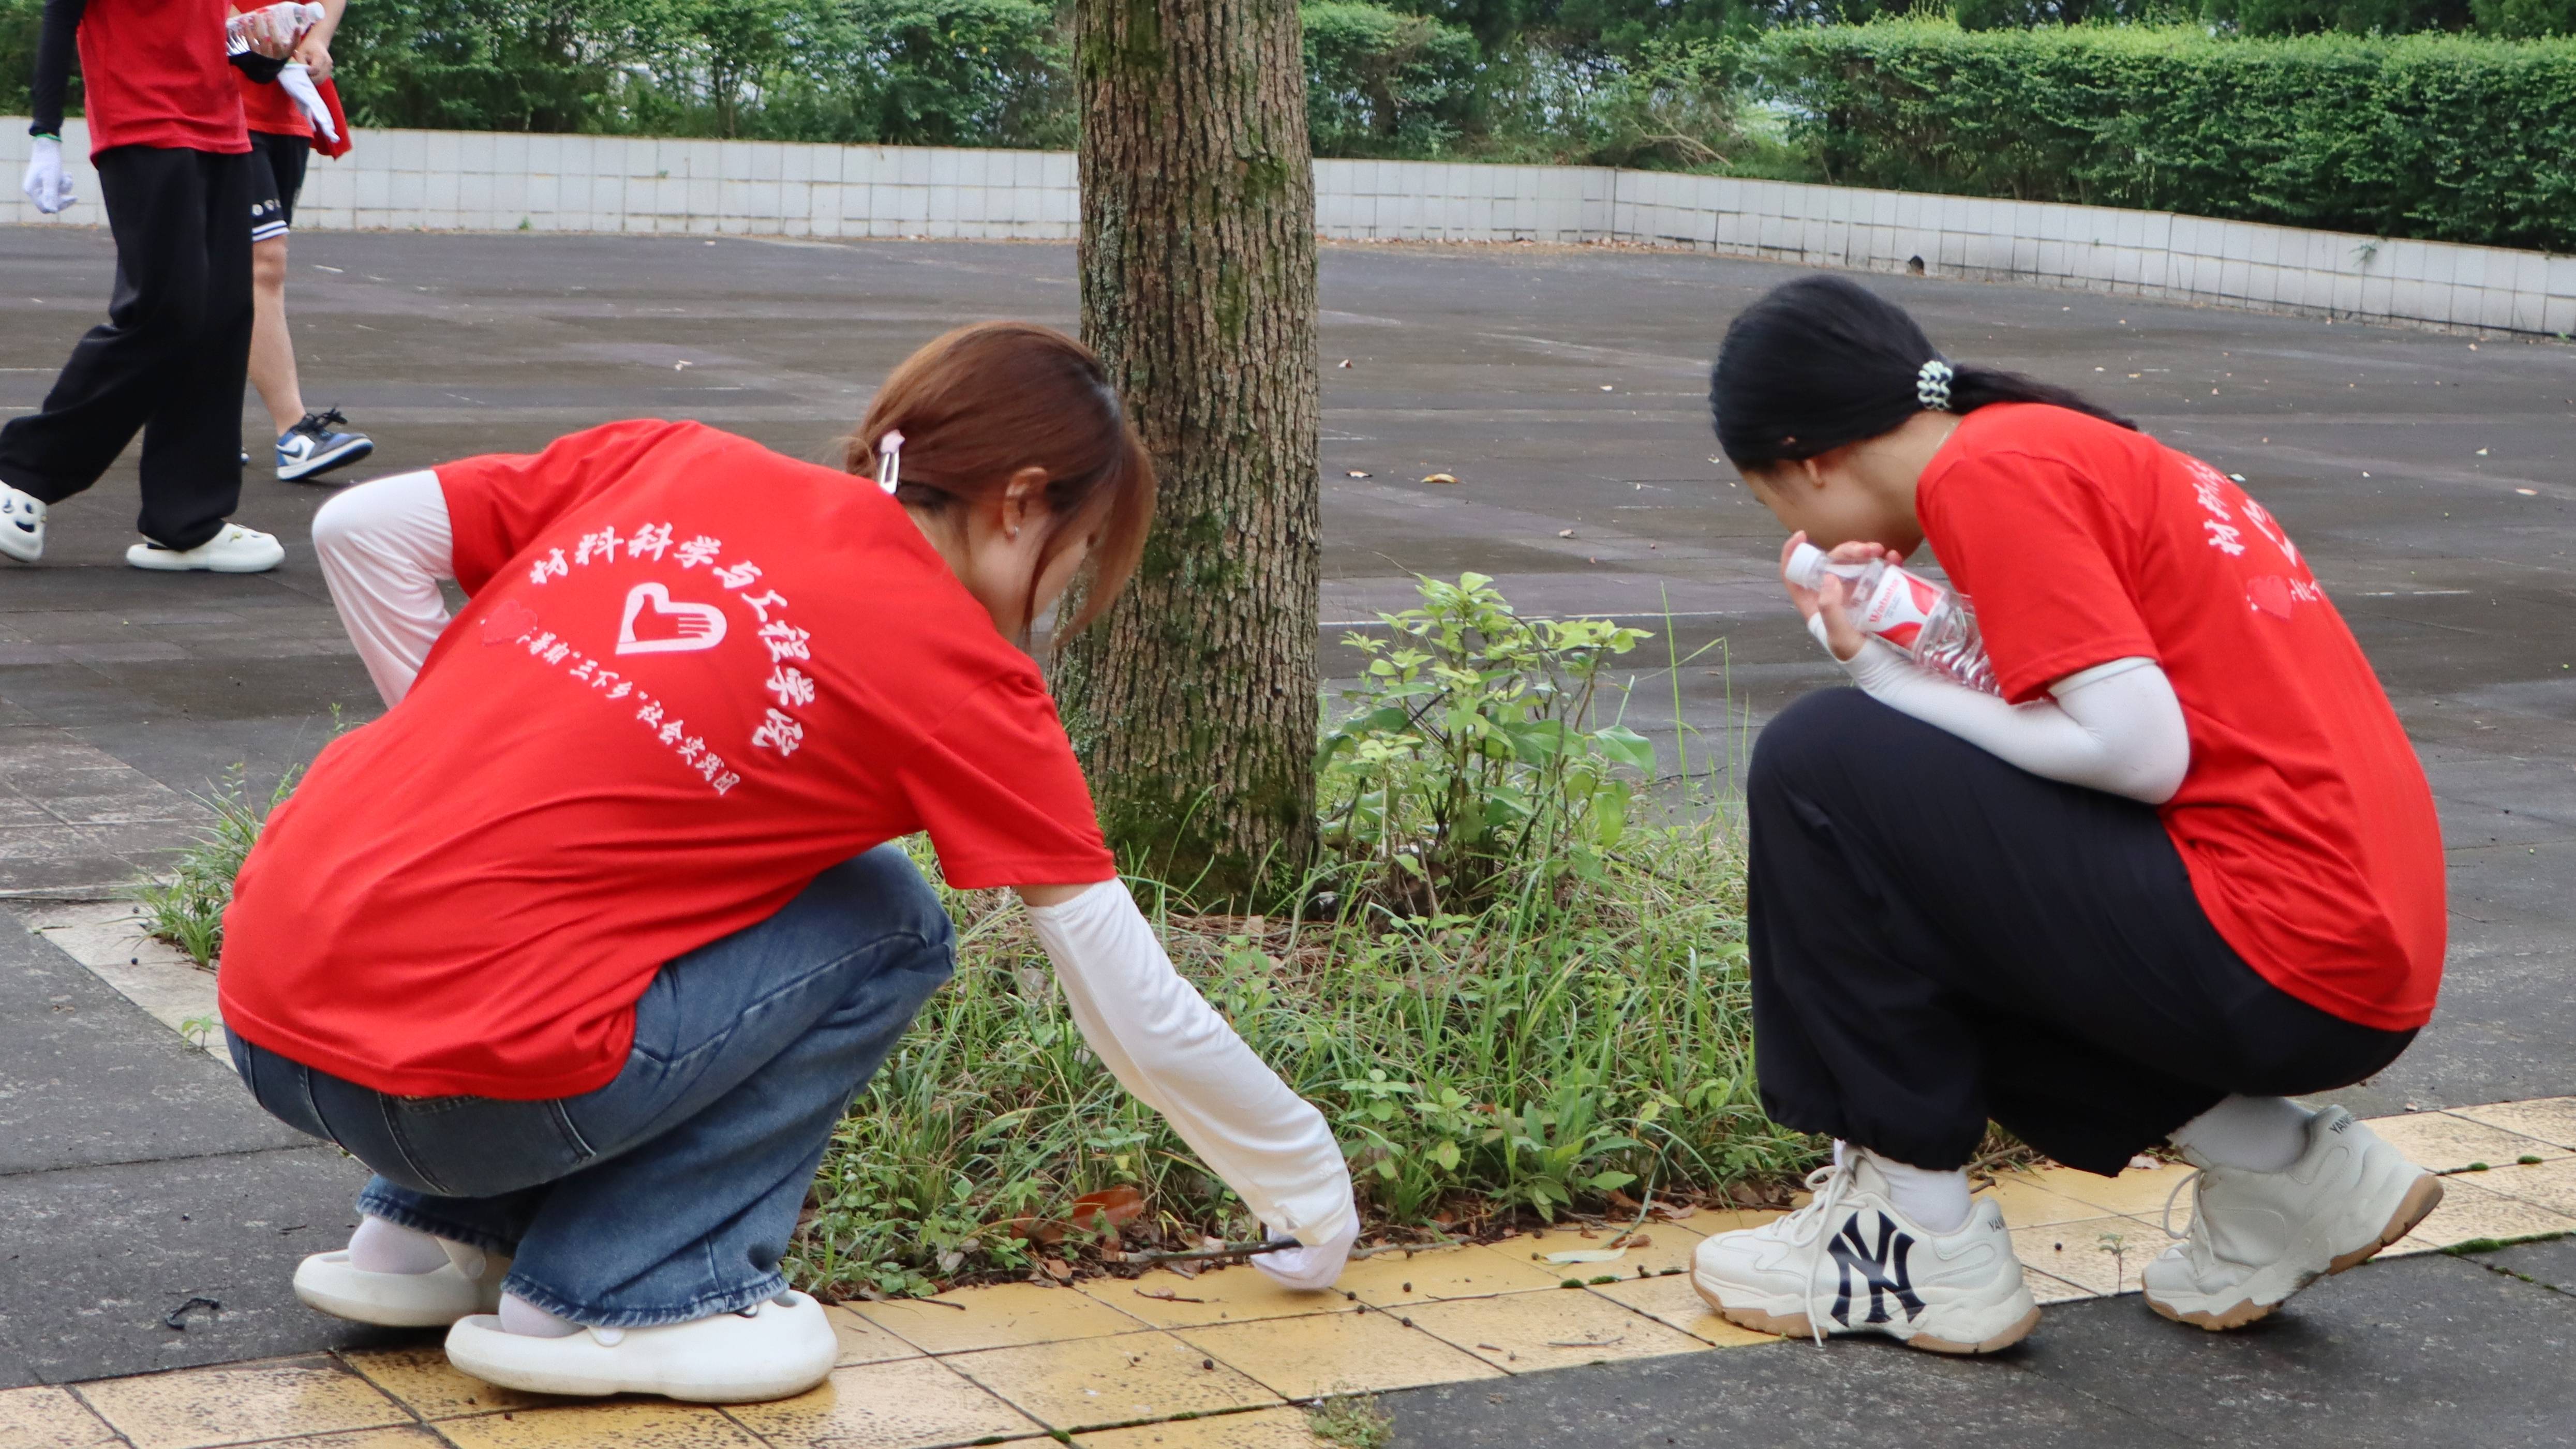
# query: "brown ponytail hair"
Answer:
x=983 y=402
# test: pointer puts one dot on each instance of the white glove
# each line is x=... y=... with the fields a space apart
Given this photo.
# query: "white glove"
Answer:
x=45 y=184
x=1315 y=1266
x=297 y=80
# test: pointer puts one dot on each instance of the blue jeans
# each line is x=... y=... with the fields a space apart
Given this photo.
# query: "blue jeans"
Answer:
x=669 y=1194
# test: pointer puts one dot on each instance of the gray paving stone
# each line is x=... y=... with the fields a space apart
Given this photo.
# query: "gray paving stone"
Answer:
x=86 y=1078
x=95 y=1258
x=2392 y=1354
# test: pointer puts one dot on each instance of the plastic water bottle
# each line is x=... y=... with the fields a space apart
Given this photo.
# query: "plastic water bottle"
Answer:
x=299 y=17
x=1933 y=625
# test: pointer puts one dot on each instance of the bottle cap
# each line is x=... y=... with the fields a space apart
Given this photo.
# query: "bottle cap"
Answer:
x=1807 y=566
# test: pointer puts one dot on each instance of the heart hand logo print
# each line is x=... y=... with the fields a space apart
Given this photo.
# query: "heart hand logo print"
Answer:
x=670 y=628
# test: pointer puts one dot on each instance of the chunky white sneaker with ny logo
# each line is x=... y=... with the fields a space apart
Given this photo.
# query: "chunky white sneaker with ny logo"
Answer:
x=2258 y=1237
x=1851 y=1262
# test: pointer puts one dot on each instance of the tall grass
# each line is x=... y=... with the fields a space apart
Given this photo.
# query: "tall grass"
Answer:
x=1510 y=995
x=186 y=908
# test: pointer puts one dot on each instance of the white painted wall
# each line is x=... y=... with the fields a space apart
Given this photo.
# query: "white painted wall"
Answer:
x=480 y=181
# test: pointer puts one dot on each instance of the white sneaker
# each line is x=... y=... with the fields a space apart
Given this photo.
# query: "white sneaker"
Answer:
x=2258 y=1237
x=22 y=525
x=1871 y=1269
x=469 y=1282
x=771 y=1350
x=236 y=550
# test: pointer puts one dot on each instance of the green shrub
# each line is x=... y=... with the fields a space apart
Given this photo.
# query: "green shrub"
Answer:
x=2426 y=136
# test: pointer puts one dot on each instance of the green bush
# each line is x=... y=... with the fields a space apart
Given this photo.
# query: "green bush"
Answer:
x=1383 y=83
x=2426 y=136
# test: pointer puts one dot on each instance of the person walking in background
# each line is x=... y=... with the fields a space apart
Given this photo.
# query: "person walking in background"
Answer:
x=290 y=118
x=173 y=161
x=2185 y=867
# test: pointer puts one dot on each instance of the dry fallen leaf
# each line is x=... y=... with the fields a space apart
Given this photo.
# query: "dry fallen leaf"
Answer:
x=1588 y=1255
x=1441 y=478
x=1111 y=1207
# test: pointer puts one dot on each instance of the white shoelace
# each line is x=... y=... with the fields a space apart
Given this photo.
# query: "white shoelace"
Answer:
x=1829 y=1184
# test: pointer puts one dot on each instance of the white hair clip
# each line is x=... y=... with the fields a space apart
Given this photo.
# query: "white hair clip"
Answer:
x=889 y=460
x=1932 y=385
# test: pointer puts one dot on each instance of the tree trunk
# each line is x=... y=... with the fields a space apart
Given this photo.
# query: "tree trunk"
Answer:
x=1193 y=701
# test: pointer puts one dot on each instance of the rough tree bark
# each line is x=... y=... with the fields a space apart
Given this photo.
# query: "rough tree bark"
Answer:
x=1193 y=701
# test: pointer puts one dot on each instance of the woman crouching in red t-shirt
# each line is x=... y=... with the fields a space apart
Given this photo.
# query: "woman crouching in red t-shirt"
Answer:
x=2185 y=866
x=585 y=946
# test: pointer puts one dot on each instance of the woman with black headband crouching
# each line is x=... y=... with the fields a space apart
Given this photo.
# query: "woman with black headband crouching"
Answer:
x=2184 y=867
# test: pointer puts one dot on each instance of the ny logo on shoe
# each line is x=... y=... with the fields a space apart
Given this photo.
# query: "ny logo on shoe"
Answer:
x=1884 y=1269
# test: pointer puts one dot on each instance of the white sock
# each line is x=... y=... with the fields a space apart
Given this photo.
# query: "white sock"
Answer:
x=520 y=1316
x=2258 y=1134
x=1934 y=1200
x=382 y=1247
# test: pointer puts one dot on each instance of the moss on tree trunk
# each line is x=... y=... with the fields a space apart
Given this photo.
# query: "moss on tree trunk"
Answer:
x=1192 y=702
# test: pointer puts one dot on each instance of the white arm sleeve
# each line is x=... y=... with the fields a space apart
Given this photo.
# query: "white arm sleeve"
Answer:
x=384 y=547
x=1163 y=1042
x=2116 y=727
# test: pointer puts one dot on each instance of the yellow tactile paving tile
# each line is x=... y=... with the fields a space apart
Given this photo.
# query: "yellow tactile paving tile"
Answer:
x=1470 y=1272
x=2446 y=1143
x=2551 y=1119
x=1166 y=1299
x=2470 y=1213
x=910 y=1403
x=2139 y=1192
x=626 y=1425
x=1670 y=1300
x=1356 y=1352
x=48 y=1418
x=2552 y=1184
x=240 y=1404
x=410 y=1437
x=2036 y=1199
x=1523 y=1332
x=1261 y=1429
x=1096 y=1382
x=2078 y=1252
x=1003 y=1316
x=864 y=1342
x=421 y=1380
x=2045 y=1290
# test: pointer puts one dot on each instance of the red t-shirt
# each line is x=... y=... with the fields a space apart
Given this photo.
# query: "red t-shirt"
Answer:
x=153 y=73
x=693 y=675
x=269 y=110
x=2305 y=819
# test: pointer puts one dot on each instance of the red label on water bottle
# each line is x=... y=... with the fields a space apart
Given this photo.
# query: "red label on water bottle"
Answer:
x=1900 y=608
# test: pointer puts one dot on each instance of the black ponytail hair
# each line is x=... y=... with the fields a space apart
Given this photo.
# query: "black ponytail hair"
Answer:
x=1823 y=361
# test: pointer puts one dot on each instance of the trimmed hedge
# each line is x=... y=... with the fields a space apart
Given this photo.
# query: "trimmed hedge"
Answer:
x=2436 y=137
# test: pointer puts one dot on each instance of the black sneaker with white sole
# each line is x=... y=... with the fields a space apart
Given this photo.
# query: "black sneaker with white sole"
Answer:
x=316 y=446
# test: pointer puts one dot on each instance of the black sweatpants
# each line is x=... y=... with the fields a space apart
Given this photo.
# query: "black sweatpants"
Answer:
x=1939 y=938
x=170 y=360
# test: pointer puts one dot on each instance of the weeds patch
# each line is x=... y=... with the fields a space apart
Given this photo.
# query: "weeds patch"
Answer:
x=187 y=909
